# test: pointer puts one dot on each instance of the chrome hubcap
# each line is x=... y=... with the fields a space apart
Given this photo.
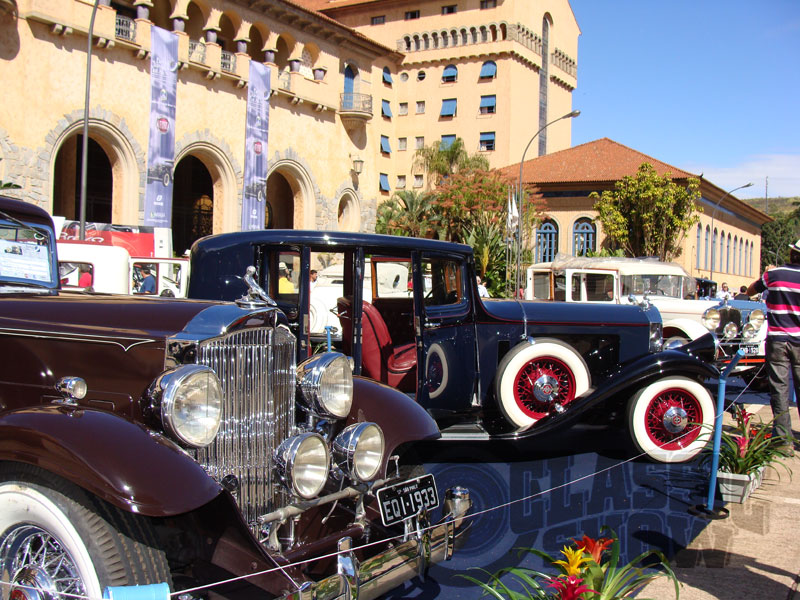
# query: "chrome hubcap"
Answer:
x=675 y=419
x=545 y=388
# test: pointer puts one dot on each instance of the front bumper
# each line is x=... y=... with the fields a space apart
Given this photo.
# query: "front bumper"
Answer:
x=421 y=547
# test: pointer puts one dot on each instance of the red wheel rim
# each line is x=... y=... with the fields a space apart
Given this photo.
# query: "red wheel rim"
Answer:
x=542 y=383
x=672 y=419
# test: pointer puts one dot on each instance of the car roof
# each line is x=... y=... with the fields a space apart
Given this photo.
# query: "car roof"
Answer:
x=625 y=266
x=334 y=239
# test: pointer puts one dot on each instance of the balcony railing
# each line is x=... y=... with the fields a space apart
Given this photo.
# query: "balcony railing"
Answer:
x=125 y=28
x=197 y=51
x=228 y=61
x=285 y=81
x=356 y=103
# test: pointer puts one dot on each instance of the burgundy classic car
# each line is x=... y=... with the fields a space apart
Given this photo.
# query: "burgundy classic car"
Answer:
x=148 y=440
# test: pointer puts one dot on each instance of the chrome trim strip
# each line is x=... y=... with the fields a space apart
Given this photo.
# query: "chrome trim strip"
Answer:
x=77 y=337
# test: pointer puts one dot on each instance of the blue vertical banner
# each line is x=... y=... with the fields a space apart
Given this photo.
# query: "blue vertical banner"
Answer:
x=161 y=151
x=256 y=214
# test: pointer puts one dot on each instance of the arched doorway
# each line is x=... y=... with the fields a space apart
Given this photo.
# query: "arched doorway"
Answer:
x=280 y=203
x=67 y=181
x=192 y=204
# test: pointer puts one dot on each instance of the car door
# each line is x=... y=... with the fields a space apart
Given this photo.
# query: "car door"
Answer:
x=445 y=329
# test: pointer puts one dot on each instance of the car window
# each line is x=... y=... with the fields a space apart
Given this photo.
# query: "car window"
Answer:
x=288 y=273
x=24 y=255
x=446 y=277
x=75 y=274
x=599 y=287
x=541 y=285
x=393 y=278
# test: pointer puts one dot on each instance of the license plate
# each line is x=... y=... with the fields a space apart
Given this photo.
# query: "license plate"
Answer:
x=749 y=349
x=402 y=501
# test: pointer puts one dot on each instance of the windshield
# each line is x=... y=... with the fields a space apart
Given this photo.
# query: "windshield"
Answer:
x=672 y=286
x=25 y=256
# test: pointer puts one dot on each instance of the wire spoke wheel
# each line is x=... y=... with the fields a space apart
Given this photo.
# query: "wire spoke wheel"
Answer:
x=38 y=566
x=541 y=384
x=672 y=419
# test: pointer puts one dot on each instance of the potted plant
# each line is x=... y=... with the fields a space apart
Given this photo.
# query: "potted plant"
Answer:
x=744 y=453
x=589 y=570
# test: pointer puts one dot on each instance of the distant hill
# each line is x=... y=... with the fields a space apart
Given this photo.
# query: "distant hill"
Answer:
x=774 y=206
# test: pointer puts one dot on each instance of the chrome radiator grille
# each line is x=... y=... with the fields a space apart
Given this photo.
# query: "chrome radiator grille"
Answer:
x=257 y=371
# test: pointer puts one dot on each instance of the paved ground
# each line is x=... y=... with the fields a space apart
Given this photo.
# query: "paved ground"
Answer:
x=751 y=554
x=579 y=481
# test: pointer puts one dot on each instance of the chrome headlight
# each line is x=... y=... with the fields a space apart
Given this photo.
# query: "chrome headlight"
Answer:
x=730 y=330
x=757 y=318
x=749 y=331
x=358 y=450
x=191 y=404
x=303 y=462
x=326 y=383
x=711 y=319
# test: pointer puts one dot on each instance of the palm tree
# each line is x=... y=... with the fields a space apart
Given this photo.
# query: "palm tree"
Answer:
x=441 y=161
x=408 y=213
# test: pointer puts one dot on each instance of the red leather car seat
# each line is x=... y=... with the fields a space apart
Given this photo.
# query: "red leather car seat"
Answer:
x=380 y=358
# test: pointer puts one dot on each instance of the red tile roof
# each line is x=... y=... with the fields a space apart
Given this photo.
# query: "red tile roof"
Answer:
x=321 y=5
x=600 y=160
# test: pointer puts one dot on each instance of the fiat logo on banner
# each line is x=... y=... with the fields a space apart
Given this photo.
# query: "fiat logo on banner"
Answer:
x=163 y=124
x=257 y=147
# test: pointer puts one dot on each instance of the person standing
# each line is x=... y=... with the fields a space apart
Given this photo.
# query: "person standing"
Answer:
x=783 y=337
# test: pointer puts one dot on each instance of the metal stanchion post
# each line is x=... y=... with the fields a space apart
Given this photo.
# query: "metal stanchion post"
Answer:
x=712 y=482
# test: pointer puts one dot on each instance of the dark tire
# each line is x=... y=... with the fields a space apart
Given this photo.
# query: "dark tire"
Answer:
x=89 y=543
x=670 y=420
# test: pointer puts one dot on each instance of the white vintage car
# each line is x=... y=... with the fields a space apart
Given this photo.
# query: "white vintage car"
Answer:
x=738 y=324
x=113 y=270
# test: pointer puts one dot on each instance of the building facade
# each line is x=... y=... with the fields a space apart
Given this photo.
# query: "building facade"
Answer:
x=350 y=103
x=725 y=245
x=492 y=72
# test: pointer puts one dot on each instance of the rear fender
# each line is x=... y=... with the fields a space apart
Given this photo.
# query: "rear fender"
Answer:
x=123 y=463
x=624 y=382
x=400 y=417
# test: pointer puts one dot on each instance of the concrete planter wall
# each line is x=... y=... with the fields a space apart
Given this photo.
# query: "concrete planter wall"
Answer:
x=736 y=487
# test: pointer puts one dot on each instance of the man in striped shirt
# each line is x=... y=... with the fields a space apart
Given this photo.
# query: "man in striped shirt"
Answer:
x=782 y=285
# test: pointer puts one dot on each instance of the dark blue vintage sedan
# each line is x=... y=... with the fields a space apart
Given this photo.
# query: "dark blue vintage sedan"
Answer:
x=408 y=312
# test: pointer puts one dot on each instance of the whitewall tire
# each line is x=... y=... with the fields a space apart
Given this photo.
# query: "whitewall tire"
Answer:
x=670 y=420
x=55 y=536
x=534 y=379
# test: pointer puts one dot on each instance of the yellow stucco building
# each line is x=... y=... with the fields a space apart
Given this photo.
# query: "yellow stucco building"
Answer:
x=355 y=90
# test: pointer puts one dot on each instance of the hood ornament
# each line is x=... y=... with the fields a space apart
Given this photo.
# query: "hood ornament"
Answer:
x=255 y=296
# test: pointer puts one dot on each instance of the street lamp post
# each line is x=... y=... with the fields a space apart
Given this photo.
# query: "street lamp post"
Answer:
x=713 y=236
x=521 y=197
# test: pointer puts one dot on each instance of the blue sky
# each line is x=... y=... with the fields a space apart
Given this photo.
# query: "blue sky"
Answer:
x=709 y=86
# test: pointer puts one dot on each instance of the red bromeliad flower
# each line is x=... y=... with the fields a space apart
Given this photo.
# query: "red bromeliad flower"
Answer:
x=569 y=588
x=593 y=547
x=742 y=443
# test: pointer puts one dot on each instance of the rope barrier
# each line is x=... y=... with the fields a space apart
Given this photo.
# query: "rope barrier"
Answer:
x=147 y=593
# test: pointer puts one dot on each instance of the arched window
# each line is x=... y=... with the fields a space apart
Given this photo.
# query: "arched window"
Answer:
x=747 y=259
x=583 y=237
x=488 y=70
x=707 y=246
x=697 y=247
x=546 y=241
x=741 y=252
x=735 y=261
x=714 y=250
x=450 y=74
x=387 y=76
x=728 y=255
